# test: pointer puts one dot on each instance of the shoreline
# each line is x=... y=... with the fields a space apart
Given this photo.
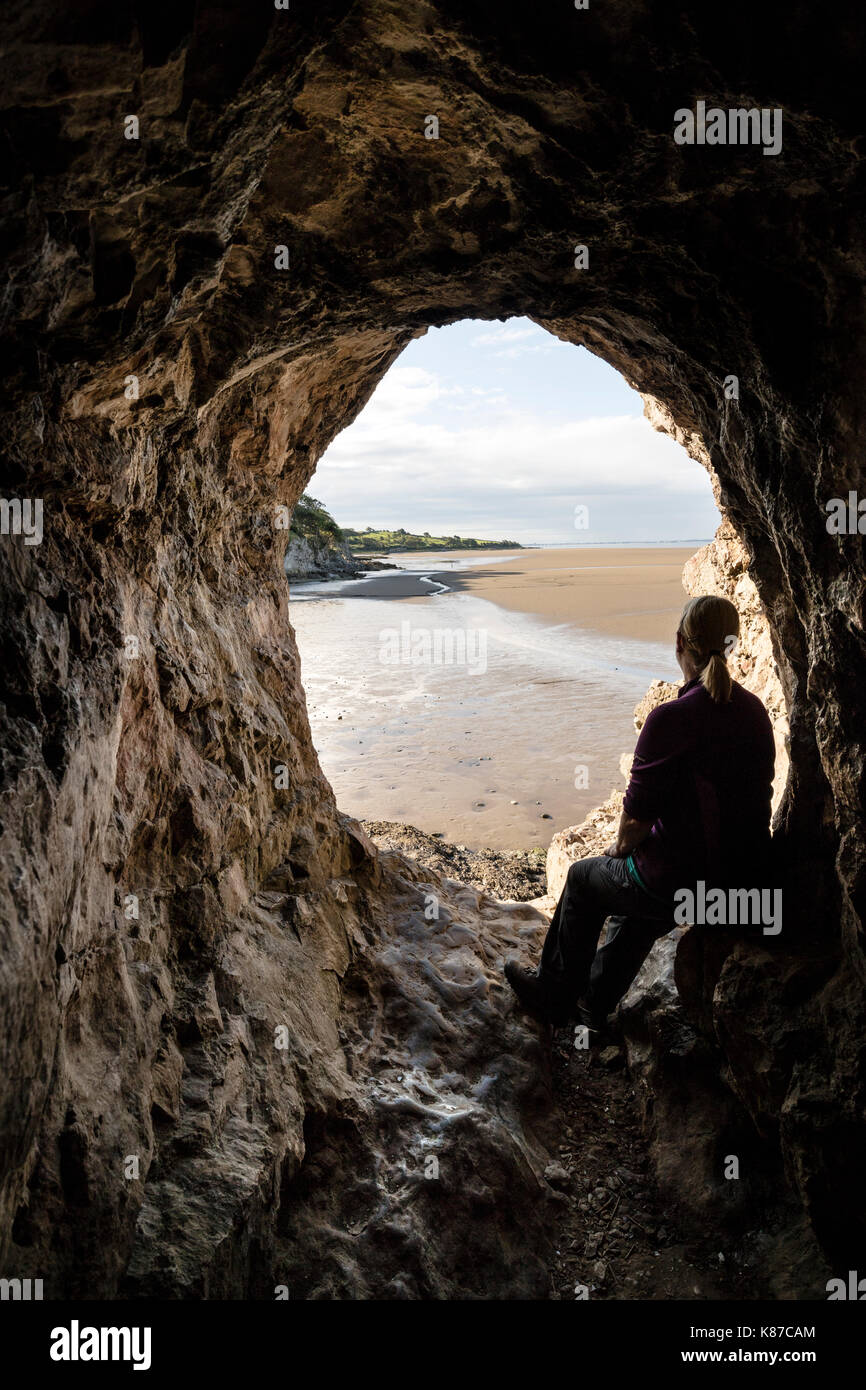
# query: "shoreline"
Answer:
x=637 y=594
x=618 y=591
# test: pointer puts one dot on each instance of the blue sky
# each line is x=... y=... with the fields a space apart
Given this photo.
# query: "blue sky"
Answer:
x=499 y=430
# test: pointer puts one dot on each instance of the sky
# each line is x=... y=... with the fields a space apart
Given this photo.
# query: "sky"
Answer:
x=498 y=430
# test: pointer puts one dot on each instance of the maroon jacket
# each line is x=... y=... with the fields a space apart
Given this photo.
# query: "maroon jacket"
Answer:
x=703 y=773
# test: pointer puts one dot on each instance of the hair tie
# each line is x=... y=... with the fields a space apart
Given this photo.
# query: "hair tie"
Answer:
x=714 y=651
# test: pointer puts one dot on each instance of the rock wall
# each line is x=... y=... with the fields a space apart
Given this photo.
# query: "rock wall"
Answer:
x=222 y=226
x=307 y=558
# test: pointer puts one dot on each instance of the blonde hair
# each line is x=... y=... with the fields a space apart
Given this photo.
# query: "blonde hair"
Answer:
x=709 y=627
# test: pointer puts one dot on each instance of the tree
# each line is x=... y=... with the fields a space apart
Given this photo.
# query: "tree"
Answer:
x=311 y=520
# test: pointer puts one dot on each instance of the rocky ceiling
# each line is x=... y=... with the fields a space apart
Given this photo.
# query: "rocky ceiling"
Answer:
x=222 y=223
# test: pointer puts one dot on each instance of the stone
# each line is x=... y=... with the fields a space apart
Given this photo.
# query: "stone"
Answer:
x=310 y=559
x=557 y=1175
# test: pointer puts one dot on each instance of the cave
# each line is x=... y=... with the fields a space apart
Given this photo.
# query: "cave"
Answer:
x=194 y=311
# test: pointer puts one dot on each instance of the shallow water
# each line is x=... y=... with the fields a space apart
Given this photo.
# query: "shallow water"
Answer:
x=442 y=711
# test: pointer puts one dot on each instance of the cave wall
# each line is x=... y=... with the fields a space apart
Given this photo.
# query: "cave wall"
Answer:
x=183 y=776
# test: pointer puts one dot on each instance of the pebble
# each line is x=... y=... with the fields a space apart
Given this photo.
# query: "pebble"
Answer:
x=556 y=1174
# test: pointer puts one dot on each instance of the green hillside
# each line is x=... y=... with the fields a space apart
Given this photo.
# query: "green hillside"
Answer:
x=384 y=541
x=312 y=521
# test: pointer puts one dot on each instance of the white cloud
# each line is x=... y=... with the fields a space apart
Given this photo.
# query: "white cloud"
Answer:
x=501 y=447
x=512 y=341
x=506 y=333
x=401 y=394
x=433 y=454
x=523 y=350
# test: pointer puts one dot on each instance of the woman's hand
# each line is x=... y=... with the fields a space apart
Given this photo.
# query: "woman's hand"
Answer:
x=628 y=836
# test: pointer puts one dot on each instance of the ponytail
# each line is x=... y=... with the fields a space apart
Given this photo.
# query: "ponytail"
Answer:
x=709 y=627
x=716 y=678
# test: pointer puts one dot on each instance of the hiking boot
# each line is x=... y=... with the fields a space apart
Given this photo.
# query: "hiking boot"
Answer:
x=533 y=996
x=594 y=1023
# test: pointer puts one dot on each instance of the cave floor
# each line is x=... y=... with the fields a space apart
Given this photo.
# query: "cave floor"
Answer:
x=610 y=1229
x=614 y=1236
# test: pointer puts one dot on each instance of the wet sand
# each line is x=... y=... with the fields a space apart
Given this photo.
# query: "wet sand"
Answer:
x=624 y=593
x=397 y=585
x=621 y=592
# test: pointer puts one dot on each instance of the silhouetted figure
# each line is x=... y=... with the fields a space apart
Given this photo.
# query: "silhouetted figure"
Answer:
x=697 y=808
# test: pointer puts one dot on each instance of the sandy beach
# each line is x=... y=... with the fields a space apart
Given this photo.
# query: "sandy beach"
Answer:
x=624 y=592
x=621 y=592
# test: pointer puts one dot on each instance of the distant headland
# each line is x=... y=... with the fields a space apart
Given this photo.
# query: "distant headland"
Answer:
x=371 y=541
x=321 y=549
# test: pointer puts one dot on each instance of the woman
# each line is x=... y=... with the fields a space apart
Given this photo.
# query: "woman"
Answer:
x=697 y=808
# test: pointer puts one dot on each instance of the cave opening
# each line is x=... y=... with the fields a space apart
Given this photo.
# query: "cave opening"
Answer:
x=481 y=431
x=701 y=412
x=811 y=938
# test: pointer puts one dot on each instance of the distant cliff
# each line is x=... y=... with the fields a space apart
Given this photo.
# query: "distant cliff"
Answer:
x=320 y=549
x=318 y=558
x=316 y=547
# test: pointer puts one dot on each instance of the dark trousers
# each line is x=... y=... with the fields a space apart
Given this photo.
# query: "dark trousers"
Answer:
x=573 y=966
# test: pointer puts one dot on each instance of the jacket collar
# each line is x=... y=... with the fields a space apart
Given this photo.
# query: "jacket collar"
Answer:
x=689 y=686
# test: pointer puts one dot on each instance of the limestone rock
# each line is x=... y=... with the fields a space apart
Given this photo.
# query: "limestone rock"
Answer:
x=592 y=836
x=658 y=693
x=308 y=559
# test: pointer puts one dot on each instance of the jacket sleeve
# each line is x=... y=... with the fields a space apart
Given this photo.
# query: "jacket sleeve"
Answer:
x=653 y=773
